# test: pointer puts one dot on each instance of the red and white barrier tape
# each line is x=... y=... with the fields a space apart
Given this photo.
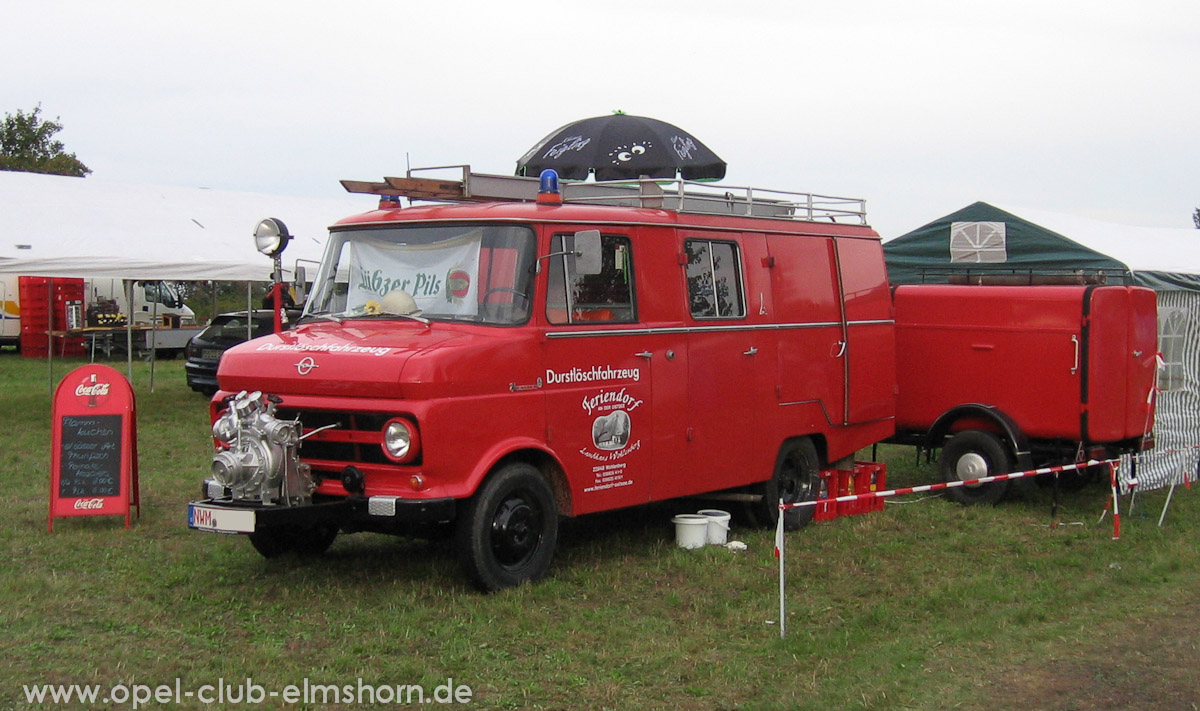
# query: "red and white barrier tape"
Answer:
x=954 y=484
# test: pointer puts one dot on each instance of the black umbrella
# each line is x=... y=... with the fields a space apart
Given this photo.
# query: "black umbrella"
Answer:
x=622 y=147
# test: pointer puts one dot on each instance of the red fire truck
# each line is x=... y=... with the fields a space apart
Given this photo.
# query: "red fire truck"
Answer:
x=513 y=353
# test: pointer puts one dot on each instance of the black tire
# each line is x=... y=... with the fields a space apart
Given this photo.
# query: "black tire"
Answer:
x=308 y=541
x=272 y=542
x=974 y=454
x=505 y=534
x=797 y=477
x=315 y=540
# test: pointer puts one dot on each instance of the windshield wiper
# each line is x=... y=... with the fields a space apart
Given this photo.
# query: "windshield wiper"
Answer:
x=308 y=318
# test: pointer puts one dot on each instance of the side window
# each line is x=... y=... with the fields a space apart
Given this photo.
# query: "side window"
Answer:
x=580 y=298
x=1172 y=339
x=714 y=279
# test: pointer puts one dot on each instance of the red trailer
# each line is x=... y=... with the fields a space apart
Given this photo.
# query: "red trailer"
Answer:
x=1008 y=378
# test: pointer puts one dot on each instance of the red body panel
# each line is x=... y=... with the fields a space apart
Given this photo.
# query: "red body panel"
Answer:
x=1064 y=362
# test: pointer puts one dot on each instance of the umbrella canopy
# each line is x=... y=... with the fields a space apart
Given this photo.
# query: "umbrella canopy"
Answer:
x=622 y=147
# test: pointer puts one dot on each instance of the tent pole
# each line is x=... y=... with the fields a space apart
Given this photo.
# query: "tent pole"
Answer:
x=1167 y=505
x=129 y=328
x=154 y=332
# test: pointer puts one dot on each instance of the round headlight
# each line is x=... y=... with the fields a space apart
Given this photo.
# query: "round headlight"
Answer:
x=400 y=440
x=271 y=236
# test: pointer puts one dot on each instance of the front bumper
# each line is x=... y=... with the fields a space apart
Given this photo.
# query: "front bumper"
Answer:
x=220 y=514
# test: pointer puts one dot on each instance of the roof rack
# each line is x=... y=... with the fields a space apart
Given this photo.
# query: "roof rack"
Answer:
x=976 y=274
x=676 y=195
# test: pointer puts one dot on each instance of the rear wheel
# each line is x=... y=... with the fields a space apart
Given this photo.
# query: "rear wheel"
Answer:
x=797 y=478
x=506 y=533
x=974 y=454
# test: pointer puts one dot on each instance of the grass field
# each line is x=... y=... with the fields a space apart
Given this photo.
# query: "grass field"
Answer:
x=925 y=605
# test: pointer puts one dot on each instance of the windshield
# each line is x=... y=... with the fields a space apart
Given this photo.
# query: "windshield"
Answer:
x=478 y=273
x=162 y=292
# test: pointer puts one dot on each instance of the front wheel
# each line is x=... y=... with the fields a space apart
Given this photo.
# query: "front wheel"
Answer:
x=974 y=454
x=796 y=478
x=506 y=533
x=303 y=541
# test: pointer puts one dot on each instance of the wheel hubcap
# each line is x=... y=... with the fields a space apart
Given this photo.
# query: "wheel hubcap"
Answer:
x=516 y=531
x=793 y=484
x=971 y=465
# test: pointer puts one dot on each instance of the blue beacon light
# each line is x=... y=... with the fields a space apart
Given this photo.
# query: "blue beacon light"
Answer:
x=548 y=193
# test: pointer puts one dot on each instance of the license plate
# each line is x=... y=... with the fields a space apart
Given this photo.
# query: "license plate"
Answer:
x=210 y=353
x=219 y=519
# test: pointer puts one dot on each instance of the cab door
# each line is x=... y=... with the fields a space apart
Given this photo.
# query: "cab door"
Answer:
x=597 y=376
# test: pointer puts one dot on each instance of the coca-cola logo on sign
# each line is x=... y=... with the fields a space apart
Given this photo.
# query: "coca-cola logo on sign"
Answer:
x=89 y=504
x=91 y=388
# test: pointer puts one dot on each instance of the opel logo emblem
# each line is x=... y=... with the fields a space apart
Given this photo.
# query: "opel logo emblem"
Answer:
x=306 y=365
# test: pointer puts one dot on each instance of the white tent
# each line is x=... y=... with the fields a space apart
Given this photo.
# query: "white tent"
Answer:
x=87 y=227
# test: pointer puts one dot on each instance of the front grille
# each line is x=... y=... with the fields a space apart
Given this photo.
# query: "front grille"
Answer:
x=355 y=438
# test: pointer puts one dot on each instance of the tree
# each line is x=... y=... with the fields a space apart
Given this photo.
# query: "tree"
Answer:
x=1196 y=217
x=27 y=145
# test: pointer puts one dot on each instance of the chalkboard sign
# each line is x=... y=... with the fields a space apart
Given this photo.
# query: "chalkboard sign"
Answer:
x=94 y=449
x=90 y=456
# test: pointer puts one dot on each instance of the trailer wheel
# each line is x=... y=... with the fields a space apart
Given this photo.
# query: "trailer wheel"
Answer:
x=305 y=541
x=973 y=454
x=506 y=533
x=797 y=478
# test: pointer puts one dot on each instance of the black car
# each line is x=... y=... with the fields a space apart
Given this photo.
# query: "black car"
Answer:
x=225 y=331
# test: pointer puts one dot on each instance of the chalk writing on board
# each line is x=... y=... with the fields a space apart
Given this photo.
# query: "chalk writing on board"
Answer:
x=90 y=457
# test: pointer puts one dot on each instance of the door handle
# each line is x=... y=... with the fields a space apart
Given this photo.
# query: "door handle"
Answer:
x=1075 y=340
x=752 y=351
x=644 y=354
x=841 y=349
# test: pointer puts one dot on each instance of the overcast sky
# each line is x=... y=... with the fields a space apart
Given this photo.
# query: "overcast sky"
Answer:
x=921 y=107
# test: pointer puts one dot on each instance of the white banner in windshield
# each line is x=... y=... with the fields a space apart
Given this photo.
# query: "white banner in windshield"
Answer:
x=440 y=277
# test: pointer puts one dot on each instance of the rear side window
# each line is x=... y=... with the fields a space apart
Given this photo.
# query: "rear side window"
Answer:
x=714 y=279
x=234 y=328
x=607 y=297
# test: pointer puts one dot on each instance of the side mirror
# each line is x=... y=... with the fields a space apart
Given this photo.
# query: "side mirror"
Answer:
x=299 y=284
x=588 y=253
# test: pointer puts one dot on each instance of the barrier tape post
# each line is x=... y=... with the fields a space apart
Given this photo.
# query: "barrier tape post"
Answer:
x=779 y=553
x=1116 y=493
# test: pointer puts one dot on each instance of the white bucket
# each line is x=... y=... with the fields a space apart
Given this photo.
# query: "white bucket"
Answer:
x=718 y=526
x=691 y=530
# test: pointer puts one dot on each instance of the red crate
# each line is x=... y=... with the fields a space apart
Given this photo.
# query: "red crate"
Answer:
x=846 y=487
x=29 y=350
x=826 y=507
x=878 y=482
x=869 y=477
